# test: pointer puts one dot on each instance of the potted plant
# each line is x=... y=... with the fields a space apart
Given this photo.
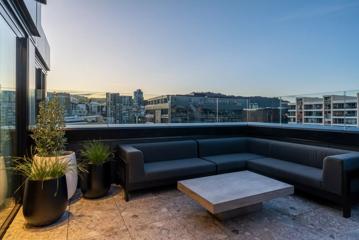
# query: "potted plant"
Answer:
x=45 y=192
x=49 y=138
x=3 y=181
x=95 y=180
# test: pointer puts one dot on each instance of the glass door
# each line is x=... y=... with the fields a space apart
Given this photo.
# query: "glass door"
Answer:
x=7 y=117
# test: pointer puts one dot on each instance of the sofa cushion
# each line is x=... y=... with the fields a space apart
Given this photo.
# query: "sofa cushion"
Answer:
x=297 y=153
x=323 y=152
x=259 y=146
x=219 y=146
x=294 y=152
x=295 y=173
x=231 y=162
x=171 y=150
x=178 y=168
x=302 y=154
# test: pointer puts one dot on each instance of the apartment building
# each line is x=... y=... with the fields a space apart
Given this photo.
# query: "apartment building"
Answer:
x=138 y=99
x=194 y=108
x=123 y=109
x=334 y=110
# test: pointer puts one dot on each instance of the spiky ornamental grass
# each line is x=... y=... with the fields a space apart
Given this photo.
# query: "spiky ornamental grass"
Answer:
x=41 y=170
x=95 y=152
x=49 y=133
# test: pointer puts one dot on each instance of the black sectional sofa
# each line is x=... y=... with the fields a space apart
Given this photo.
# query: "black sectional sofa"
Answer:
x=328 y=172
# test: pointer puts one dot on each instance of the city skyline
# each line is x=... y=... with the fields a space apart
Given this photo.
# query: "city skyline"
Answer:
x=177 y=47
x=114 y=108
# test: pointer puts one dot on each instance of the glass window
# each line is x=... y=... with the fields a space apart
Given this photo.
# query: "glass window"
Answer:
x=32 y=86
x=7 y=116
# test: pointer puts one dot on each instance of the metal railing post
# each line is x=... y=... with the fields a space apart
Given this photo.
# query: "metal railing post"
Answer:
x=217 y=110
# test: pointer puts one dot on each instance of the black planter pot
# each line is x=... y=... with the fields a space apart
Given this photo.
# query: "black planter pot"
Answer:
x=44 y=201
x=96 y=182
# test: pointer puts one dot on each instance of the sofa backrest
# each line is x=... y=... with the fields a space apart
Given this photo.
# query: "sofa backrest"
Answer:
x=219 y=146
x=309 y=155
x=171 y=150
x=259 y=146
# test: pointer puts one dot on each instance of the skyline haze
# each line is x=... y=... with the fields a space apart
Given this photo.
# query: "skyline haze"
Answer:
x=236 y=47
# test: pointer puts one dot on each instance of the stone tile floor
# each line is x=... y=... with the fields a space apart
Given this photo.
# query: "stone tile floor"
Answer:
x=6 y=208
x=168 y=214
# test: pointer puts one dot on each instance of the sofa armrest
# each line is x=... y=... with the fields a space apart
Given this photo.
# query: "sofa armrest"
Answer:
x=133 y=159
x=336 y=167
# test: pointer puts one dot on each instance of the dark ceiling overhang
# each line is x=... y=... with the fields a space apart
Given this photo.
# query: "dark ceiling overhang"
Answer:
x=42 y=1
x=21 y=6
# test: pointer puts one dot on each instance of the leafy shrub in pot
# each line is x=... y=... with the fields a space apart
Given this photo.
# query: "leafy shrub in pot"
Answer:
x=49 y=138
x=95 y=179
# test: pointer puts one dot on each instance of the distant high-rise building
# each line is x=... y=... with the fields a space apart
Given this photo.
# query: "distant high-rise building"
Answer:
x=64 y=99
x=126 y=110
x=119 y=108
x=126 y=100
x=138 y=99
x=95 y=108
x=7 y=108
x=113 y=105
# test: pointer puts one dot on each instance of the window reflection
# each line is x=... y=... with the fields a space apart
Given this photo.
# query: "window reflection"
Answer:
x=7 y=116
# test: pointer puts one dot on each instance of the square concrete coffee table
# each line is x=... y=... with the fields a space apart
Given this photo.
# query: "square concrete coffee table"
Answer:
x=231 y=194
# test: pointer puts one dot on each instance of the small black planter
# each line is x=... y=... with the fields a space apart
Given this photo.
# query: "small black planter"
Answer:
x=96 y=182
x=44 y=201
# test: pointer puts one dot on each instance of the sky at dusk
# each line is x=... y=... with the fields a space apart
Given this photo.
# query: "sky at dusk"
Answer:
x=252 y=47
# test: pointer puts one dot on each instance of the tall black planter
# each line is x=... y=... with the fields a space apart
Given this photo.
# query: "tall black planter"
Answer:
x=44 y=201
x=96 y=182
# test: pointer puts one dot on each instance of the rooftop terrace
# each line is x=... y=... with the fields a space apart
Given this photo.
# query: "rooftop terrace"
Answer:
x=152 y=140
x=168 y=214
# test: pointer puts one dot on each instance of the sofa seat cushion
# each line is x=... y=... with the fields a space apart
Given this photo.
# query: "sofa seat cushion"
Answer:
x=293 y=172
x=231 y=162
x=178 y=168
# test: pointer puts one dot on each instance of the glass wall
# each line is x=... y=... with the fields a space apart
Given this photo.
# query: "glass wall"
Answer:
x=321 y=110
x=32 y=86
x=7 y=116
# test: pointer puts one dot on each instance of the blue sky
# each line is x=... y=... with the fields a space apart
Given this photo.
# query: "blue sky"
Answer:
x=253 y=47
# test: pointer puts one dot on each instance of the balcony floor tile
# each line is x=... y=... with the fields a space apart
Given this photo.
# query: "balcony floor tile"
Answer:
x=168 y=214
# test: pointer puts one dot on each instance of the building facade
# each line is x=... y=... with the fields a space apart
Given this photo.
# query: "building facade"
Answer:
x=67 y=102
x=333 y=110
x=113 y=108
x=194 y=109
x=138 y=98
x=24 y=62
x=266 y=115
x=120 y=109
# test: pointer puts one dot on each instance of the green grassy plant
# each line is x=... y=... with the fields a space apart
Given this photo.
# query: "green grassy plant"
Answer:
x=41 y=170
x=95 y=152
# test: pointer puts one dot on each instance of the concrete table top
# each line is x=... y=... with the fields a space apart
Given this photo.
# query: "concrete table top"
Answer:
x=226 y=195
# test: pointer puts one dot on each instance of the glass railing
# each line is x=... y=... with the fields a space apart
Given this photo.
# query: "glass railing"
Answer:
x=321 y=110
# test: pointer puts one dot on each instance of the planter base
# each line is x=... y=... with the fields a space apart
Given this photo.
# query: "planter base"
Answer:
x=44 y=201
x=97 y=181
